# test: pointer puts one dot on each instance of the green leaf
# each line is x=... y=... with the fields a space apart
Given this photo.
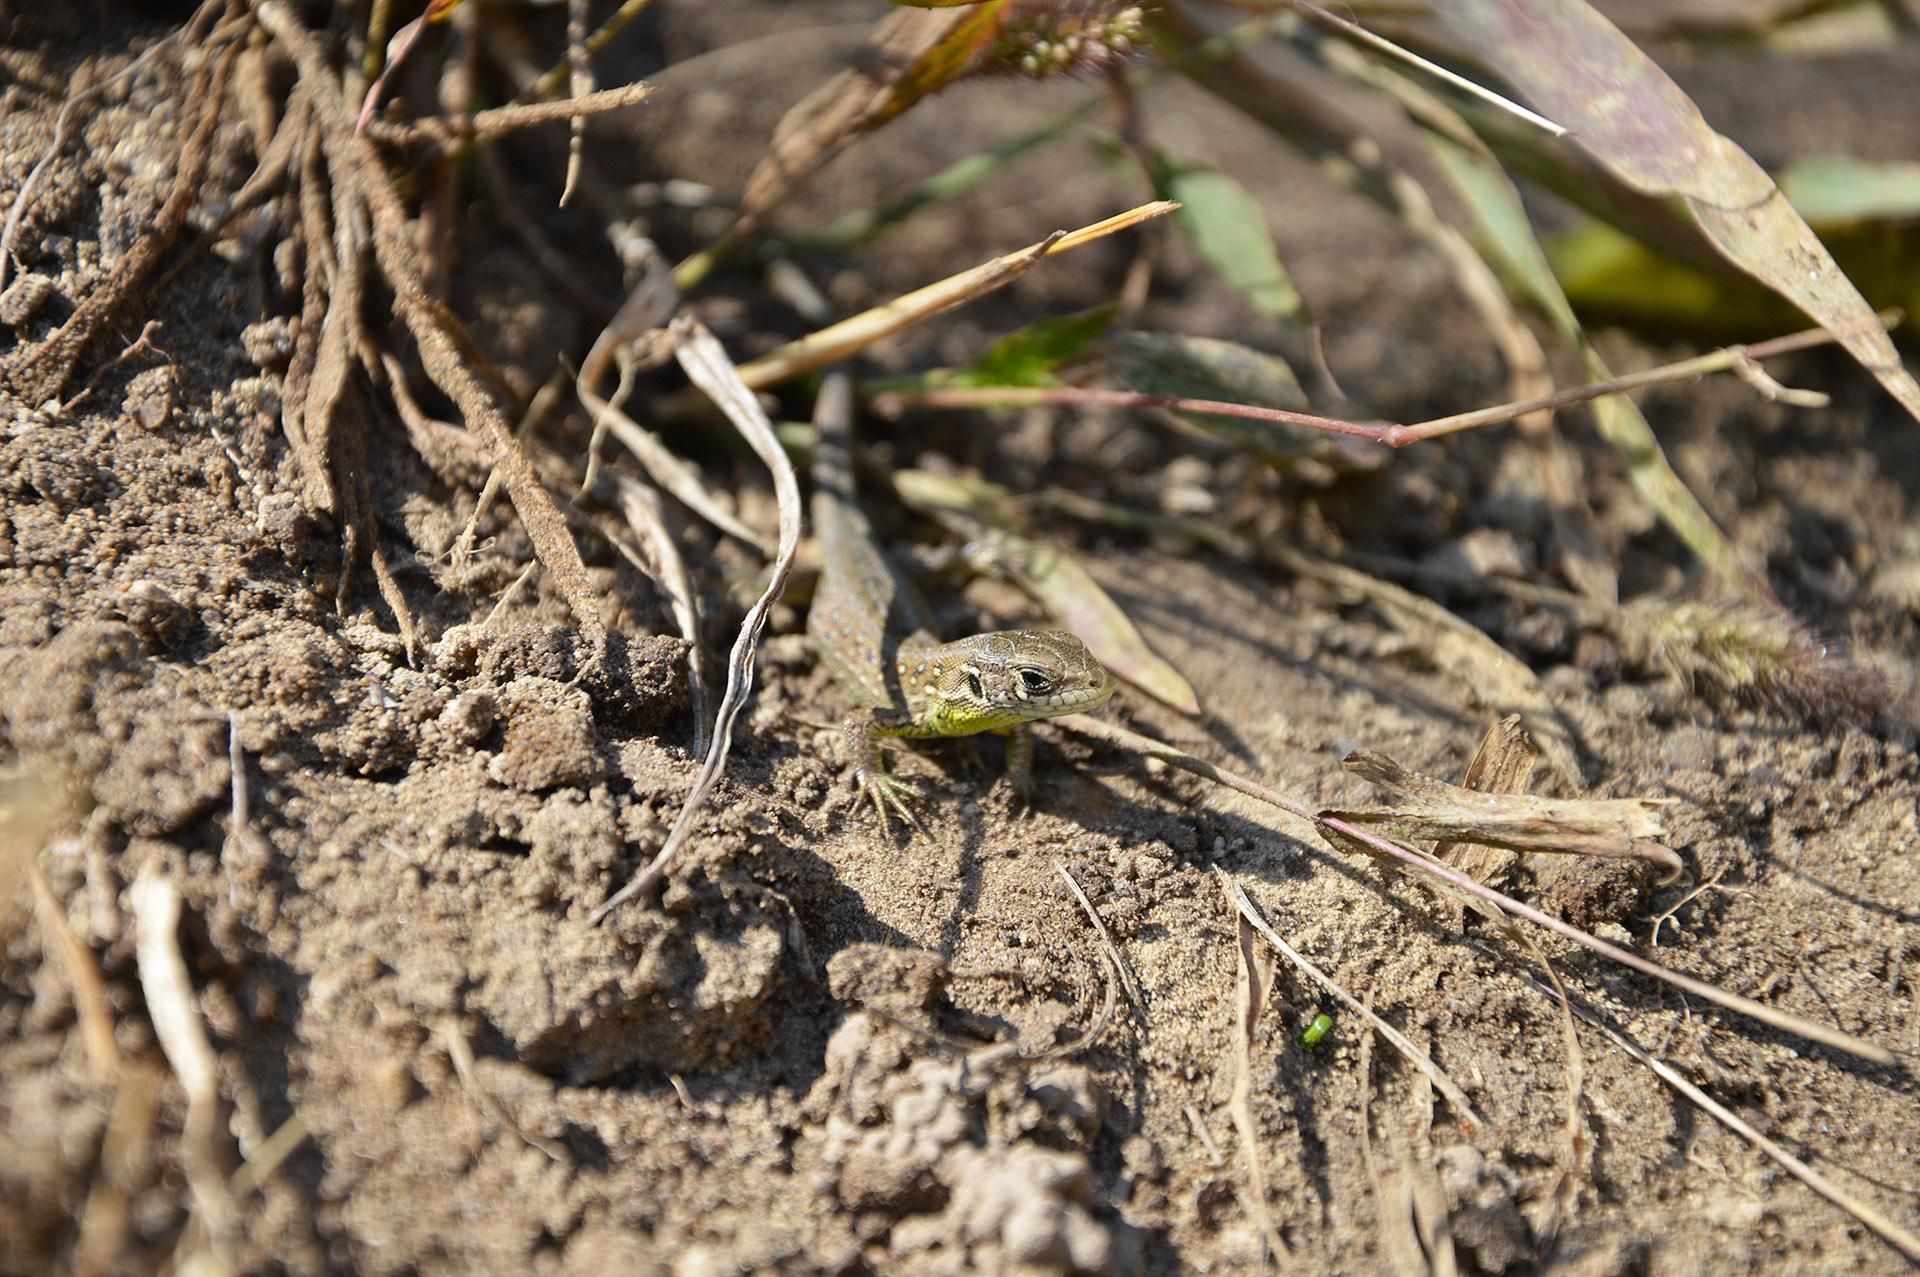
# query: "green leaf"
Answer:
x=1226 y=225
x=1028 y=356
x=1834 y=189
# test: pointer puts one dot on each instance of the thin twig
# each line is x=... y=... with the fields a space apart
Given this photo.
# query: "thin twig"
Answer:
x=891 y=402
x=83 y=975
x=1138 y=1003
x=1785 y=1021
x=708 y=366
x=1901 y=1239
x=490 y=125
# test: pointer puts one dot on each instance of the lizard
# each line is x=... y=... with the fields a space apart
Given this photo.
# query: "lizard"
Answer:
x=876 y=636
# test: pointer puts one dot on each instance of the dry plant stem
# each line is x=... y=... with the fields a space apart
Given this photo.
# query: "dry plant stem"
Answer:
x=1401 y=1042
x=1608 y=828
x=838 y=341
x=1901 y=1239
x=1785 y=1021
x=103 y=1221
x=581 y=77
x=631 y=340
x=561 y=73
x=83 y=975
x=1782 y=1020
x=1134 y=999
x=707 y=365
x=1253 y=979
x=1397 y=436
x=445 y=349
x=460 y=1054
x=451 y=132
x=661 y=561
x=266 y=1159
x=183 y=1039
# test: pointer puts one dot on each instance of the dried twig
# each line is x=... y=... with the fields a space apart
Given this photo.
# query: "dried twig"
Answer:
x=1112 y=950
x=708 y=366
x=450 y=131
x=1253 y=978
x=1901 y=1239
x=1393 y=435
x=1330 y=827
x=446 y=351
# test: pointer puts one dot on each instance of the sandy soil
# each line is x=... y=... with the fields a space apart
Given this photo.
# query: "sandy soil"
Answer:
x=829 y=1050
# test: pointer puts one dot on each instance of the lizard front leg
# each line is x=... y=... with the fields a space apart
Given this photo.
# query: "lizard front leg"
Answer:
x=873 y=782
x=1020 y=763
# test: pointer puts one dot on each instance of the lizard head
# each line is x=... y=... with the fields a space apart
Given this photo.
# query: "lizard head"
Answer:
x=994 y=681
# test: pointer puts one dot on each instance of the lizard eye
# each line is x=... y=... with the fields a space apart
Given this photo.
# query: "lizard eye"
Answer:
x=973 y=686
x=1034 y=682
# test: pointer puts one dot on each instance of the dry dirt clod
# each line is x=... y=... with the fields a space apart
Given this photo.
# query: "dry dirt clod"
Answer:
x=23 y=299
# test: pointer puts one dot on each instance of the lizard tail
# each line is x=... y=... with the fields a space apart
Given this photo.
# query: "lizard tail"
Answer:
x=833 y=440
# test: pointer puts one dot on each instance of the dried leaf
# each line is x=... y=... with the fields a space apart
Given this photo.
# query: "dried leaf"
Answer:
x=909 y=54
x=1575 y=66
x=1610 y=828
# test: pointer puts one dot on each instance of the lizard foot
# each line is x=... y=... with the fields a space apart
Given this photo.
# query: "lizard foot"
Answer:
x=889 y=793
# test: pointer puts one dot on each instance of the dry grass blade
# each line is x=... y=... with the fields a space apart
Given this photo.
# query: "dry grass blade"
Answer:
x=1254 y=977
x=707 y=365
x=1111 y=949
x=1570 y=61
x=632 y=340
x=1338 y=832
x=183 y=1039
x=128 y=1143
x=1401 y=1042
x=1618 y=828
x=266 y=1159
x=83 y=974
x=662 y=562
x=832 y=344
x=1901 y=1239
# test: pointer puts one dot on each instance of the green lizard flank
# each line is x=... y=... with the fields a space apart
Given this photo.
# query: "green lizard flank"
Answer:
x=875 y=635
